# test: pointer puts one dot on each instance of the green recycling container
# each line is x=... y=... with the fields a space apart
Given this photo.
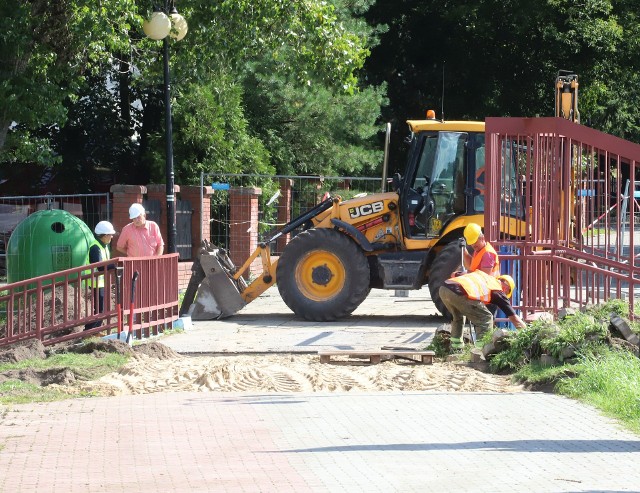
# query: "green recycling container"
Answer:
x=47 y=241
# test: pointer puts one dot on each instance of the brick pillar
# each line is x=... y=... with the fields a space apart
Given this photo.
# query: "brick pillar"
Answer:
x=243 y=202
x=201 y=217
x=284 y=210
x=123 y=197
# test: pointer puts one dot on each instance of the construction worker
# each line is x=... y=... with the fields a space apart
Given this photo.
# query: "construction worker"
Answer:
x=99 y=251
x=484 y=256
x=468 y=295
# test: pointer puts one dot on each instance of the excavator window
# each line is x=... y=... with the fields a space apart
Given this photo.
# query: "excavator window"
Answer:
x=510 y=198
x=436 y=188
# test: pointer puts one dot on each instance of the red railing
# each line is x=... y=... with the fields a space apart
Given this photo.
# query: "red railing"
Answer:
x=56 y=307
x=581 y=240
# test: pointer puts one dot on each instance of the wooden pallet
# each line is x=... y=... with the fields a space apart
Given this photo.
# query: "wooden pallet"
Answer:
x=375 y=356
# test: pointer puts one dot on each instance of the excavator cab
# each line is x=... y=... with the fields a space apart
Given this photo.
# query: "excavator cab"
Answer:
x=444 y=177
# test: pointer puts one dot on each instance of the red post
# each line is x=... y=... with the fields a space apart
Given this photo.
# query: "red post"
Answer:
x=244 y=225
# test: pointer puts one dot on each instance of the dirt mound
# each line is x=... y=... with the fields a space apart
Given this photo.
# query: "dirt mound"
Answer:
x=291 y=373
x=59 y=376
x=97 y=346
x=155 y=350
x=22 y=350
x=155 y=367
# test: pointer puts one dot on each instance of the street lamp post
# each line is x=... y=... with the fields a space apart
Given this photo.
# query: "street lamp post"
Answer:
x=164 y=22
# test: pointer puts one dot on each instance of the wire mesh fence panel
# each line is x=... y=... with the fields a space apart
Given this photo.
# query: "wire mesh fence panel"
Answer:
x=90 y=208
x=280 y=199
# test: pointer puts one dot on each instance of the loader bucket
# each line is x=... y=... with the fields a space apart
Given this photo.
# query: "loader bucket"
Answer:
x=218 y=295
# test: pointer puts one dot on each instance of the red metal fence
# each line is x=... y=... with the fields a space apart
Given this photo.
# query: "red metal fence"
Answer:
x=56 y=307
x=579 y=197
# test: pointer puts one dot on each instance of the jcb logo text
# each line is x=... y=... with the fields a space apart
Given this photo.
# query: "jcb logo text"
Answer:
x=365 y=210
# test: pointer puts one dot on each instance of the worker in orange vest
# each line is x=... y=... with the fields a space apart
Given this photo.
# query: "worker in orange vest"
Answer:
x=484 y=256
x=468 y=295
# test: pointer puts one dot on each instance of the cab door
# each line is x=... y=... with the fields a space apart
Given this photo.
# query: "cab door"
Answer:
x=434 y=190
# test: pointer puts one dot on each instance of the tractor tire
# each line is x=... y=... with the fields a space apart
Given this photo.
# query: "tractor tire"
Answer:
x=445 y=264
x=323 y=275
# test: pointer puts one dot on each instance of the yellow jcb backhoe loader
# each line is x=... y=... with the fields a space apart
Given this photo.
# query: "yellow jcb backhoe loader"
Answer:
x=402 y=239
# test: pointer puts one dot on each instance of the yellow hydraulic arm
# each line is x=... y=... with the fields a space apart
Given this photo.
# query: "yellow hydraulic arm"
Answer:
x=567 y=96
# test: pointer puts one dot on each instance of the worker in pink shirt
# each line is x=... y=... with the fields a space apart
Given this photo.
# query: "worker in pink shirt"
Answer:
x=140 y=238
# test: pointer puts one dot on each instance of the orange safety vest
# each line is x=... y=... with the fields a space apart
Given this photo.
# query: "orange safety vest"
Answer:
x=477 y=258
x=478 y=285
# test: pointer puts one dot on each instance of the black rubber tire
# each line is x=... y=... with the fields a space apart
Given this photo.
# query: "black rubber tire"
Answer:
x=323 y=275
x=445 y=264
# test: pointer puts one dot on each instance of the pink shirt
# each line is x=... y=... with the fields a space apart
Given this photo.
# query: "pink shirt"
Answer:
x=140 y=242
x=488 y=261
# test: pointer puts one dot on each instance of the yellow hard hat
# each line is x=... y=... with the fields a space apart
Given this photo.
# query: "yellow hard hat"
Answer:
x=510 y=282
x=471 y=233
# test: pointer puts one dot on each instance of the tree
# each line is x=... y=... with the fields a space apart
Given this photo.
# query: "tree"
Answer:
x=312 y=130
x=46 y=49
x=499 y=58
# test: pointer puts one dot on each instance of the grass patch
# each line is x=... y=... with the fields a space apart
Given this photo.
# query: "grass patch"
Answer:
x=580 y=360
x=17 y=392
x=82 y=364
x=609 y=381
x=536 y=374
x=84 y=367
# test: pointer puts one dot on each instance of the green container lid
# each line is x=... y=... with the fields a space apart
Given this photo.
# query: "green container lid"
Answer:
x=45 y=242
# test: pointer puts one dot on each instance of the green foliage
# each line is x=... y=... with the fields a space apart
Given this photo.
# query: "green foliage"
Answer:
x=305 y=40
x=46 y=49
x=17 y=392
x=80 y=84
x=522 y=347
x=575 y=331
x=610 y=381
x=606 y=378
x=299 y=86
x=312 y=130
x=439 y=345
x=213 y=134
x=503 y=58
x=535 y=373
x=603 y=311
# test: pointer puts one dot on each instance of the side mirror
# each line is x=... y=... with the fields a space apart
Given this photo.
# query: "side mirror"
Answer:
x=396 y=182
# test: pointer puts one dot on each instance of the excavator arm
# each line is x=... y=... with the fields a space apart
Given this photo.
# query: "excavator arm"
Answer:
x=567 y=96
x=218 y=289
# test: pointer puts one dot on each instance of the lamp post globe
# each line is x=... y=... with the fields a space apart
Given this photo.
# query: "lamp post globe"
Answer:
x=157 y=26
x=163 y=24
x=180 y=26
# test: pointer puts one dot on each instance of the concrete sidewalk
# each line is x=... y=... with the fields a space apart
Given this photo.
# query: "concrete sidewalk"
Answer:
x=268 y=325
x=321 y=442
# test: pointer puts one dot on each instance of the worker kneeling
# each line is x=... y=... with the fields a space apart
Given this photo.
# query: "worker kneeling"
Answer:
x=468 y=294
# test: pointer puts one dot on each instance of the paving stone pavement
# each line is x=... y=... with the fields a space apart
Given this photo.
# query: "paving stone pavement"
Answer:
x=315 y=442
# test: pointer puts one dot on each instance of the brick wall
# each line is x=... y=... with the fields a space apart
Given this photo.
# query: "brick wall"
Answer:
x=184 y=274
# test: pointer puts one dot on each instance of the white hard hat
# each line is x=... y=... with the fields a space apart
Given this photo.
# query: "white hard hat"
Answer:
x=104 y=228
x=135 y=210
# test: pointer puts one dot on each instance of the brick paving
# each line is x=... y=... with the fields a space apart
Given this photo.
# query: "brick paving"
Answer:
x=315 y=442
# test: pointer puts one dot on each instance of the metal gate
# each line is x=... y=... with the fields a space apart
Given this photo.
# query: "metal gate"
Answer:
x=581 y=242
x=183 y=229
